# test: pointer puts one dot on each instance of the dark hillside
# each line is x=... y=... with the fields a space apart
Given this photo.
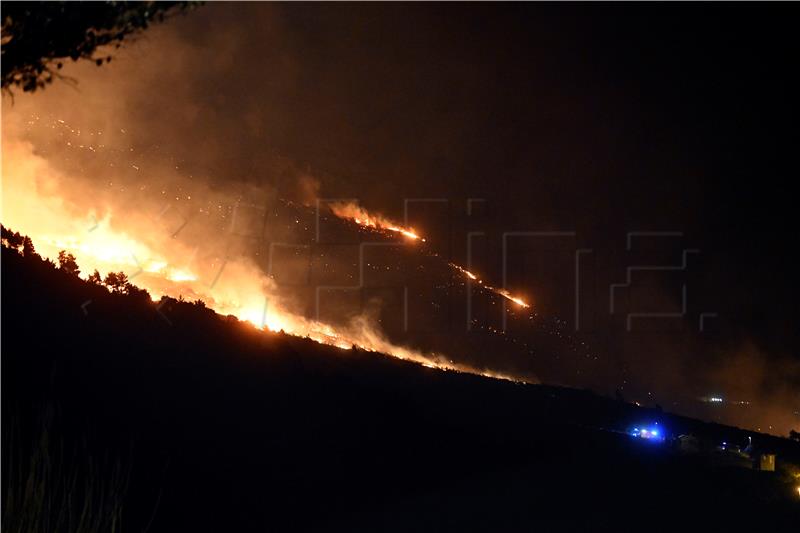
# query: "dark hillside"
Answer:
x=225 y=428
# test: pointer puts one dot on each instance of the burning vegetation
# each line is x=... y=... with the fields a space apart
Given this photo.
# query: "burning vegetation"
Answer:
x=359 y=335
x=359 y=215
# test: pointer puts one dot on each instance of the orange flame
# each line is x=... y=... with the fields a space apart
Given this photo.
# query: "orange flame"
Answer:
x=351 y=211
x=359 y=215
x=163 y=266
x=517 y=300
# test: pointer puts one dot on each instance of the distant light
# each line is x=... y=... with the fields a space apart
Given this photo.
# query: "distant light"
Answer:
x=655 y=433
x=715 y=399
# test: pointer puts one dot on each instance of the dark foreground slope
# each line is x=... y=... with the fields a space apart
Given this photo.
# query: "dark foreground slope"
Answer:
x=219 y=427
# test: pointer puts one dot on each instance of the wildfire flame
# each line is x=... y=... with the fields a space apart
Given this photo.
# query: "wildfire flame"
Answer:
x=359 y=215
x=351 y=211
x=501 y=292
x=165 y=267
x=243 y=293
x=516 y=299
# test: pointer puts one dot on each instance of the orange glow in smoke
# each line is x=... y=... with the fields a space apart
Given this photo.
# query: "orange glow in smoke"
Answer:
x=155 y=261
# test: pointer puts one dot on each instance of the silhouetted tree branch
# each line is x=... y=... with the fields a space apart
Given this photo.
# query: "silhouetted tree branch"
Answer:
x=38 y=36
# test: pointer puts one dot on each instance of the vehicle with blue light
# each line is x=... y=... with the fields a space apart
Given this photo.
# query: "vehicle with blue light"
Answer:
x=651 y=433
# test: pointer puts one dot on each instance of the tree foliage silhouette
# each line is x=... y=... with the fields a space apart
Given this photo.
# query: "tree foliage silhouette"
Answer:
x=15 y=241
x=95 y=278
x=38 y=36
x=67 y=263
x=12 y=239
x=117 y=282
x=27 y=247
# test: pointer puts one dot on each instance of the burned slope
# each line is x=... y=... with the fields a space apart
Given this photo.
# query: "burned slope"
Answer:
x=219 y=426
